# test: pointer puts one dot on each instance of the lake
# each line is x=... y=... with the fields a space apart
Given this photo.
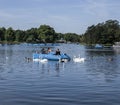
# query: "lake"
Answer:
x=93 y=82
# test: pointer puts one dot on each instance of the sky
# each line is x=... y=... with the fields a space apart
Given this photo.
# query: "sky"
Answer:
x=65 y=16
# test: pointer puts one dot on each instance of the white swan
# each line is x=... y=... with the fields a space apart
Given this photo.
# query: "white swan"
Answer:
x=40 y=60
x=78 y=59
x=43 y=60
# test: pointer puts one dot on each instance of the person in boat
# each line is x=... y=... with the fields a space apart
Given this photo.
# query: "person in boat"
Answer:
x=48 y=50
x=57 y=52
x=43 y=51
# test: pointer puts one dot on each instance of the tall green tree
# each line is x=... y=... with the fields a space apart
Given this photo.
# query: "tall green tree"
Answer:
x=31 y=35
x=104 y=33
x=46 y=33
x=19 y=35
x=2 y=34
x=9 y=35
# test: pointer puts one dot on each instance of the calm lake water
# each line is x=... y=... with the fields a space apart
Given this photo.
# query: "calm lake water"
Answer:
x=93 y=82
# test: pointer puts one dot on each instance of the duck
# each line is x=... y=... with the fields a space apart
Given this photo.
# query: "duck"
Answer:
x=78 y=59
x=63 y=60
x=28 y=59
x=110 y=59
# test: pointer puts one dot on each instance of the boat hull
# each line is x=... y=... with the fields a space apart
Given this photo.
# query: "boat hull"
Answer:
x=51 y=56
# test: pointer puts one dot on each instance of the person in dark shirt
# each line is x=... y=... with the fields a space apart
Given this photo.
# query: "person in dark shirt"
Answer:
x=57 y=52
x=43 y=51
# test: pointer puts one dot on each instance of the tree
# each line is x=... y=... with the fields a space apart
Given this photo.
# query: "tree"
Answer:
x=31 y=35
x=72 y=37
x=2 y=34
x=19 y=35
x=104 y=33
x=9 y=35
x=46 y=33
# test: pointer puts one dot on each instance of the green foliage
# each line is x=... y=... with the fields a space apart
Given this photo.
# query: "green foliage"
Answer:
x=2 y=33
x=9 y=34
x=46 y=33
x=104 y=33
x=72 y=37
x=19 y=35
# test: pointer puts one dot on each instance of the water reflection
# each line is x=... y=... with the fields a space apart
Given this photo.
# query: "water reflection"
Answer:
x=57 y=69
x=1 y=72
x=96 y=81
x=103 y=65
x=117 y=50
x=49 y=68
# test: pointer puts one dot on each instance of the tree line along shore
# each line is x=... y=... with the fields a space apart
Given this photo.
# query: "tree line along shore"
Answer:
x=107 y=32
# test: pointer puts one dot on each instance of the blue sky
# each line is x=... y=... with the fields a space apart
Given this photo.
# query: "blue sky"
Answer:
x=63 y=15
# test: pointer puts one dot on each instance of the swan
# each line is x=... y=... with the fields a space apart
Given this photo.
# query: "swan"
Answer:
x=78 y=59
x=43 y=60
x=40 y=60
